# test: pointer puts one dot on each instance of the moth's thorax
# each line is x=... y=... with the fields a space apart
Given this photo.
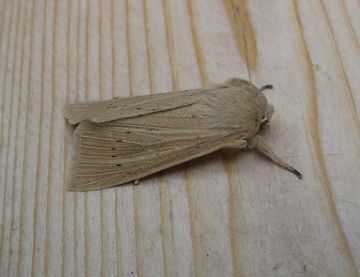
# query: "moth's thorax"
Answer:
x=235 y=108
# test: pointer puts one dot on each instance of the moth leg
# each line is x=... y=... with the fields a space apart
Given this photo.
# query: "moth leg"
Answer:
x=236 y=144
x=258 y=142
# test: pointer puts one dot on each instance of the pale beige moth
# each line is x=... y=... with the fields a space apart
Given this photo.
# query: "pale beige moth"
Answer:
x=125 y=139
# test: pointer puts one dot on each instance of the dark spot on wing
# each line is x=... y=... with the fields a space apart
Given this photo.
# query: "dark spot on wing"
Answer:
x=111 y=107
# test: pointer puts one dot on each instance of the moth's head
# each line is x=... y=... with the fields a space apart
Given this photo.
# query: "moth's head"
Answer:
x=265 y=109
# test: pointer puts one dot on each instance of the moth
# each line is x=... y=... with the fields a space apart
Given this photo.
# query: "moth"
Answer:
x=124 y=139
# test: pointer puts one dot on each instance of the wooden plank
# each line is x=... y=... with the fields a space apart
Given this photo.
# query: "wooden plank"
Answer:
x=222 y=215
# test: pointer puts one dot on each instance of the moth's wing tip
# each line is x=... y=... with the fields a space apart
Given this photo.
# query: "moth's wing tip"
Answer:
x=76 y=113
x=71 y=183
x=73 y=188
x=68 y=114
x=74 y=184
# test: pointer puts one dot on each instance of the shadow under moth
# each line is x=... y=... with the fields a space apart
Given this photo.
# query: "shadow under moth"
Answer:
x=124 y=139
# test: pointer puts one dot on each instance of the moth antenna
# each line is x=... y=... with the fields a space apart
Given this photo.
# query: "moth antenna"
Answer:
x=258 y=142
x=266 y=87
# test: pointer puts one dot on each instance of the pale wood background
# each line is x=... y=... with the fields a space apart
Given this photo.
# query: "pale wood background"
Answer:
x=217 y=216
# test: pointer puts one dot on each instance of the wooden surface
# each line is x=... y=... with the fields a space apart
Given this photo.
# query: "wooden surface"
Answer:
x=217 y=216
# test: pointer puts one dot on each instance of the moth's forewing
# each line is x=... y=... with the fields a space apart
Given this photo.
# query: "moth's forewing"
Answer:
x=127 y=107
x=109 y=154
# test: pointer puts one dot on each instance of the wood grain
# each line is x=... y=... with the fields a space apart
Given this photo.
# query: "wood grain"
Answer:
x=221 y=215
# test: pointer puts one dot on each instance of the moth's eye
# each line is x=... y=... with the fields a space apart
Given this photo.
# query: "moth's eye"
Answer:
x=264 y=121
